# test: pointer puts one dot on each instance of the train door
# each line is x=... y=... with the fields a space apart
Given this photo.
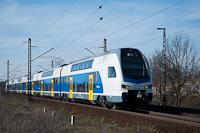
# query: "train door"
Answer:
x=21 y=88
x=70 y=87
x=32 y=87
x=26 y=88
x=41 y=88
x=52 y=87
x=91 y=87
x=17 y=88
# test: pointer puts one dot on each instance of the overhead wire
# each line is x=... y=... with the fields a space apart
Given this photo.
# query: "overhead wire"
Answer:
x=167 y=36
x=160 y=24
x=114 y=8
x=50 y=26
x=133 y=37
x=16 y=53
x=130 y=25
x=80 y=27
x=54 y=21
x=47 y=27
x=157 y=38
x=92 y=26
x=84 y=22
x=14 y=69
x=119 y=15
x=145 y=18
x=42 y=54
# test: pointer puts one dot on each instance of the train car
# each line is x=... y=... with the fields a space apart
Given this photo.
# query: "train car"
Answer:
x=19 y=85
x=13 y=86
x=9 y=86
x=24 y=85
x=35 y=86
x=47 y=80
x=117 y=76
x=121 y=75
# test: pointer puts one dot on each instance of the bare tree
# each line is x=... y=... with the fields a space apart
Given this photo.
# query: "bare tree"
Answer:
x=156 y=64
x=182 y=68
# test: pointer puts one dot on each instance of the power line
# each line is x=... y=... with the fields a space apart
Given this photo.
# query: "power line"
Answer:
x=42 y=54
x=82 y=34
x=55 y=20
x=130 y=38
x=93 y=24
x=15 y=68
x=130 y=25
x=119 y=15
x=140 y=20
x=84 y=21
x=143 y=19
x=162 y=24
x=148 y=17
x=114 y=8
x=16 y=53
x=82 y=25
x=158 y=38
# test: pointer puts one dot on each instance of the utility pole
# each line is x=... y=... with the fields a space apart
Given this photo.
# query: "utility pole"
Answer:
x=8 y=72
x=29 y=69
x=52 y=63
x=163 y=72
x=104 y=46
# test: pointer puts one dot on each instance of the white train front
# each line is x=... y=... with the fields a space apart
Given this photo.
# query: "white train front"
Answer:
x=118 y=76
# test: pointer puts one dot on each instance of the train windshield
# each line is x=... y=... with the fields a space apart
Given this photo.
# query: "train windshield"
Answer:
x=134 y=65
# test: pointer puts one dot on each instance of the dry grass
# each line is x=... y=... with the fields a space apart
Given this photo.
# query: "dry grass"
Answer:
x=18 y=115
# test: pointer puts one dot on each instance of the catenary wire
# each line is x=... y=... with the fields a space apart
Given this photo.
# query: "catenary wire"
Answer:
x=91 y=27
x=54 y=21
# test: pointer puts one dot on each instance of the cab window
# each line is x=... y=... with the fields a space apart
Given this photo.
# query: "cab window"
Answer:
x=111 y=72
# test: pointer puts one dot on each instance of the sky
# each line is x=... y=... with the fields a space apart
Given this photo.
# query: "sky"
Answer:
x=70 y=26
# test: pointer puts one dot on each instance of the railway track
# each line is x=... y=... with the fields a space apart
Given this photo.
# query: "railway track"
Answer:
x=171 y=109
x=172 y=118
x=184 y=120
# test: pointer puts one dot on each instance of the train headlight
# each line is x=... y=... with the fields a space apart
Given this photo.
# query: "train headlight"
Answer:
x=126 y=86
x=148 y=87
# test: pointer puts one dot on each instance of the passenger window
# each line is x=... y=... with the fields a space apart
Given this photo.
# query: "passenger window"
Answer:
x=80 y=66
x=66 y=79
x=90 y=64
x=77 y=67
x=58 y=80
x=86 y=64
x=111 y=72
x=83 y=65
x=74 y=67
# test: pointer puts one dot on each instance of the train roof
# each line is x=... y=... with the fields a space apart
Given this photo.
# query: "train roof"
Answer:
x=24 y=79
x=101 y=54
x=94 y=56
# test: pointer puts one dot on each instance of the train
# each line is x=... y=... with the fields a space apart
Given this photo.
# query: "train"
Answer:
x=118 y=76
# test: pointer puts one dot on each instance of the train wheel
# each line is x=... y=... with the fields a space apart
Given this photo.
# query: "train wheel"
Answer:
x=102 y=101
x=113 y=106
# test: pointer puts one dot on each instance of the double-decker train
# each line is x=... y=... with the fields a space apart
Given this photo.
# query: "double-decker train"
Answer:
x=117 y=76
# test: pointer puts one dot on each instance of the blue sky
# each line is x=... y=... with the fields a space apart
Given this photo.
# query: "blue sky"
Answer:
x=69 y=26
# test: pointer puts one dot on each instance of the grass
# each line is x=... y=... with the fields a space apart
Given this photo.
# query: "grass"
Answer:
x=19 y=115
